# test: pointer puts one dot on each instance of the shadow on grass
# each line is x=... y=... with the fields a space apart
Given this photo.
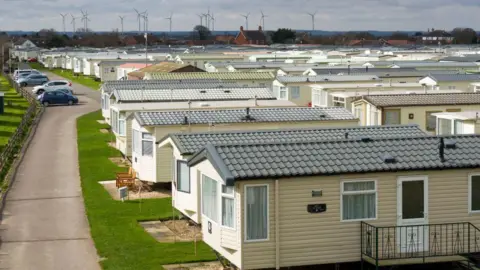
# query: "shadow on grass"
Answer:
x=16 y=106
x=5 y=134
x=8 y=124
x=14 y=114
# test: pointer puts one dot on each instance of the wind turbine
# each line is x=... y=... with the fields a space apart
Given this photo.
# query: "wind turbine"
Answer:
x=313 y=19
x=206 y=19
x=201 y=18
x=262 y=20
x=170 y=21
x=121 y=22
x=73 y=23
x=213 y=22
x=145 y=21
x=139 y=18
x=63 y=21
x=246 y=19
x=85 y=20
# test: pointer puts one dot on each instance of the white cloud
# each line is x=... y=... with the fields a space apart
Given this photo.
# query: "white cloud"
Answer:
x=334 y=15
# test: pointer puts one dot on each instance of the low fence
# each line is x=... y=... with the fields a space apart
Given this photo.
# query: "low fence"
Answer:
x=34 y=111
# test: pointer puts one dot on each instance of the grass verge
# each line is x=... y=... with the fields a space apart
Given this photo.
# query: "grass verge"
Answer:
x=117 y=235
x=12 y=115
x=68 y=74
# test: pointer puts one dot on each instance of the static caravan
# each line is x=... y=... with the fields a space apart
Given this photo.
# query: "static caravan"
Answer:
x=450 y=81
x=126 y=102
x=186 y=193
x=412 y=108
x=156 y=165
x=380 y=201
x=457 y=123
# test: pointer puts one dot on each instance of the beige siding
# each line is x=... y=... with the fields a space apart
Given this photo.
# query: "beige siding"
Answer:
x=309 y=239
x=477 y=127
x=128 y=124
x=164 y=156
x=228 y=238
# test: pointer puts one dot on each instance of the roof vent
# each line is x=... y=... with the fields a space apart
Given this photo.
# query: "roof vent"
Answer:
x=346 y=135
x=322 y=115
x=325 y=79
x=389 y=159
x=366 y=139
x=450 y=144
x=203 y=91
x=226 y=91
x=185 y=120
x=247 y=115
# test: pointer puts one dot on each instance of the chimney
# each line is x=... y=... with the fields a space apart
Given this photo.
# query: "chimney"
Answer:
x=366 y=68
x=247 y=111
x=185 y=120
x=259 y=28
x=348 y=69
x=256 y=103
x=241 y=28
x=346 y=135
x=441 y=151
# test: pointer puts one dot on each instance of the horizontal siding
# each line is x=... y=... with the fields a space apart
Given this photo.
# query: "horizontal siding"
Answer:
x=310 y=239
x=229 y=239
x=128 y=124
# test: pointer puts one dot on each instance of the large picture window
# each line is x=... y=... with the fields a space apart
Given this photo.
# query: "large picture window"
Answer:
x=228 y=206
x=256 y=213
x=183 y=176
x=209 y=198
x=359 y=199
x=474 y=193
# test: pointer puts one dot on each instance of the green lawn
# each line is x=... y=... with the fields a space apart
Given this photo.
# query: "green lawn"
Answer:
x=117 y=235
x=68 y=74
x=13 y=114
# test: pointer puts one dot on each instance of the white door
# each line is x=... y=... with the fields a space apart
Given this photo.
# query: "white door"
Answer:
x=412 y=214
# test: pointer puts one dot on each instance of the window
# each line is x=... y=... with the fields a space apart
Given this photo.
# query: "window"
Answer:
x=295 y=91
x=228 y=206
x=209 y=198
x=106 y=70
x=114 y=120
x=262 y=84
x=431 y=121
x=338 y=101
x=283 y=92
x=359 y=200
x=359 y=114
x=136 y=141
x=391 y=117
x=444 y=126
x=121 y=125
x=318 y=97
x=147 y=144
x=458 y=127
x=256 y=213
x=183 y=176
x=474 y=193
x=245 y=86
x=451 y=87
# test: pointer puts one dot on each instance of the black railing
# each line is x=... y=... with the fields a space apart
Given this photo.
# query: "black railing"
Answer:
x=419 y=241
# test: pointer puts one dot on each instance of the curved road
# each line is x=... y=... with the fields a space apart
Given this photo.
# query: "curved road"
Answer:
x=44 y=224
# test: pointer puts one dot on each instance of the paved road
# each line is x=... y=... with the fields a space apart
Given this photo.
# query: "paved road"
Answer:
x=44 y=224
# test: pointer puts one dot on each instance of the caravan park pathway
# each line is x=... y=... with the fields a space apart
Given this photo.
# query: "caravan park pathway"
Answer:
x=44 y=224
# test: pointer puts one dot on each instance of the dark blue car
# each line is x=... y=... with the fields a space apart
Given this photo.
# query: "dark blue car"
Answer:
x=57 y=97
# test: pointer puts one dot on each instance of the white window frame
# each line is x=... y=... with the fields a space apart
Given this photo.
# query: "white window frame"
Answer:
x=230 y=197
x=470 y=211
x=245 y=213
x=342 y=192
x=114 y=115
x=338 y=100
x=136 y=134
x=296 y=90
x=177 y=174
x=146 y=140
x=212 y=219
x=284 y=90
x=122 y=122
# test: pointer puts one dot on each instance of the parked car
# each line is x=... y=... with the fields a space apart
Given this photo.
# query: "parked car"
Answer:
x=64 y=90
x=32 y=60
x=52 y=85
x=57 y=97
x=33 y=79
x=24 y=72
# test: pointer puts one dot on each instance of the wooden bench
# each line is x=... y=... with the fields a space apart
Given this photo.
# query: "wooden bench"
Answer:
x=126 y=179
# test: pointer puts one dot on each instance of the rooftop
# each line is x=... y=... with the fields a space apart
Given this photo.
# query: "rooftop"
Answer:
x=189 y=94
x=454 y=77
x=424 y=99
x=109 y=86
x=214 y=75
x=189 y=143
x=359 y=155
x=249 y=115
x=466 y=115
x=327 y=78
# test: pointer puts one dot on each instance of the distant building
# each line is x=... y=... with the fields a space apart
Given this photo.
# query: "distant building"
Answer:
x=254 y=37
x=24 y=43
x=437 y=37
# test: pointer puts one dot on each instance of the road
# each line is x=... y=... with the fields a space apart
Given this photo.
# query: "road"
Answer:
x=44 y=224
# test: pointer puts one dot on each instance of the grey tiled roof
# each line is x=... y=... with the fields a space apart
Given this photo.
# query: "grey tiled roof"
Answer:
x=287 y=114
x=189 y=143
x=423 y=99
x=109 y=86
x=297 y=159
x=159 y=95
x=455 y=77
x=323 y=78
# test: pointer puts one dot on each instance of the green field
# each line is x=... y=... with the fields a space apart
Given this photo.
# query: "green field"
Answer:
x=68 y=74
x=118 y=237
x=13 y=114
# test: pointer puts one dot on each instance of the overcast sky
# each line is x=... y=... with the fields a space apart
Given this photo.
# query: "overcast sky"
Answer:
x=332 y=14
